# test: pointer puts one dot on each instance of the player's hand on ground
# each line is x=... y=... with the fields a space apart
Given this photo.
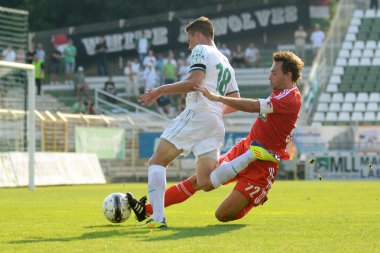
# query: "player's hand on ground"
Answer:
x=208 y=94
x=149 y=97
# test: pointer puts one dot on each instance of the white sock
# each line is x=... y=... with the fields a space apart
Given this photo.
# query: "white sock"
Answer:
x=156 y=190
x=229 y=170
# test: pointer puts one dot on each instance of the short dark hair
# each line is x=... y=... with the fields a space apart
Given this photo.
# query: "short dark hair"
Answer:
x=290 y=63
x=202 y=25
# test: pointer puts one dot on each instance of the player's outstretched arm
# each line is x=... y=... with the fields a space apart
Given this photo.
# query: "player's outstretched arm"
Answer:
x=185 y=86
x=228 y=109
x=241 y=104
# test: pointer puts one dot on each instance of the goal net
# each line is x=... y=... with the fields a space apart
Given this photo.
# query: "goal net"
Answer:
x=17 y=87
x=13 y=80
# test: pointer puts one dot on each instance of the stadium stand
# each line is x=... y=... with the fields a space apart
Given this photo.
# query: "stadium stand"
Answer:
x=353 y=91
x=252 y=83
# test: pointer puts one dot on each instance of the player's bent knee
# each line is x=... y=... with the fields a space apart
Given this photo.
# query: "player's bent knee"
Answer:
x=154 y=161
x=224 y=217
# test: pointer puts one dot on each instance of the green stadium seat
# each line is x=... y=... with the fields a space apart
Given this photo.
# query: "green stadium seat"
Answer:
x=362 y=71
x=368 y=87
x=344 y=88
x=374 y=35
x=372 y=79
x=360 y=79
x=362 y=36
x=357 y=88
x=350 y=71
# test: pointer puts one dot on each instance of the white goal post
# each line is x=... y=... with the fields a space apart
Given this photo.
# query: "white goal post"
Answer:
x=31 y=119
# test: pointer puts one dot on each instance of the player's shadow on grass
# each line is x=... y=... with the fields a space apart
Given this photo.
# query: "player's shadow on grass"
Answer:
x=187 y=232
x=108 y=232
x=138 y=233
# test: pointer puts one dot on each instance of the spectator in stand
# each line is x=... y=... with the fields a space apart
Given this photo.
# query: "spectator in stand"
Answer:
x=142 y=45
x=40 y=52
x=252 y=56
x=20 y=55
x=183 y=67
x=39 y=72
x=238 y=60
x=55 y=64
x=317 y=37
x=225 y=51
x=150 y=77
x=300 y=36
x=374 y=4
x=69 y=54
x=87 y=104
x=9 y=54
x=80 y=83
x=78 y=106
x=30 y=54
x=159 y=67
x=164 y=106
x=181 y=62
x=169 y=75
x=150 y=59
x=131 y=71
x=90 y=107
x=109 y=86
x=101 y=56
x=173 y=61
x=169 y=70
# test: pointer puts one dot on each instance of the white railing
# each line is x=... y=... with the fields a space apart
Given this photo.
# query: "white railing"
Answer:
x=325 y=60
x=119 y=105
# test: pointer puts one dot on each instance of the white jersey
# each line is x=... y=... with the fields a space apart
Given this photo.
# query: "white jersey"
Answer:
x=219 y=78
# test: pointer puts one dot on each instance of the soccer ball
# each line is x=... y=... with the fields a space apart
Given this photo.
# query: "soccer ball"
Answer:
x=116 y=208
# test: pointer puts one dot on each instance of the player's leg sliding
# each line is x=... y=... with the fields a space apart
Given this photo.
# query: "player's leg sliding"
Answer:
x=261 y=153
x=156 y=189
x=229 y=170
x=175 y=195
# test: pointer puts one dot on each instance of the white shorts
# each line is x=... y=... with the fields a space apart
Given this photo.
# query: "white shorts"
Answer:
x=200 y=132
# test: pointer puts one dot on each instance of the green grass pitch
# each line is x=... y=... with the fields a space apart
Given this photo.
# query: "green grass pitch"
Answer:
x=300 y=216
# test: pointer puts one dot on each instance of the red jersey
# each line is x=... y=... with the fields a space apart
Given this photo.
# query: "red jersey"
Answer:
x=277 y=119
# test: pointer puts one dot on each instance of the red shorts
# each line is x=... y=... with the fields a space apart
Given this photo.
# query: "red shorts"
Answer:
x=254 y=181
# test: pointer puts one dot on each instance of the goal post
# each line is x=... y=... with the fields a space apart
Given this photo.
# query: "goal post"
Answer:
x=30 y=114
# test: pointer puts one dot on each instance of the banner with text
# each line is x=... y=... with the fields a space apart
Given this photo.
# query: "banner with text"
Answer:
x=343 y=166
x=368 y=138
x=362 y=139
x=169 y=35
x=309 y=139
x=107 y=143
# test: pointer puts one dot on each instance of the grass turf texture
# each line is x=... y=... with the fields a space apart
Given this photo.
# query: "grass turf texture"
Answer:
x=311 y=216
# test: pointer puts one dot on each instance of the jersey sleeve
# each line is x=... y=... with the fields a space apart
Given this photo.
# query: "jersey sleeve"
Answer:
x=232 y=87
x=279 y=104
x=198 y=58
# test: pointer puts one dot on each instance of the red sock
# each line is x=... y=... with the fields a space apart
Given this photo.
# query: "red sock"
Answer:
x=175 y=194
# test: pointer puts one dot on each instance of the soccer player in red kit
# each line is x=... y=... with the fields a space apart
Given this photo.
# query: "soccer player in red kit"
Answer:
x=252 y=162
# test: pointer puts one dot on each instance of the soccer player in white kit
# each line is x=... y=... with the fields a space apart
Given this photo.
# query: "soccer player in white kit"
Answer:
x=199 y=128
